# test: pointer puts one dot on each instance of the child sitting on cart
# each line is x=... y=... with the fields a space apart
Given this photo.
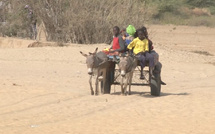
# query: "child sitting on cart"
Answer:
x=140 y=46
x=126 y=37
x=157 y=63
x=118 y=42
x=118 y=45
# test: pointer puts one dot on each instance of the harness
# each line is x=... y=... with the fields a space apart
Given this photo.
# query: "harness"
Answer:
x=97 y=59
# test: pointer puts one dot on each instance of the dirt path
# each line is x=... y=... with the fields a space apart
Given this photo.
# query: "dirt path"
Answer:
x=45 y=90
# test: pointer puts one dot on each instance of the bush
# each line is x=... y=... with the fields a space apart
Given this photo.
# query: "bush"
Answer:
x=77 y=21
x=212 y=10
x=202 y=21
x=87 y=21
x=168 y=7
x=201 y=3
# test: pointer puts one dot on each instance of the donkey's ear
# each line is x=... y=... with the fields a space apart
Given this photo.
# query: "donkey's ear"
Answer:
x=85 y=55
x=96 y=50
x=90 y=53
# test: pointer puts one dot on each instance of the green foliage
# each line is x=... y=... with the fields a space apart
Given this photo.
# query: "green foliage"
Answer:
x=201 y=3
x=212 y=10
x=168 y=7
x=180 y=12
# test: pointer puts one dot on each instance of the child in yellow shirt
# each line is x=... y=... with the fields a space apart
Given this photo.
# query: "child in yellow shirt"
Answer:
x=140 y=48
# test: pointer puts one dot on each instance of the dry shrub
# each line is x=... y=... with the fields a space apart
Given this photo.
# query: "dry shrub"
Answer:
x=201 y=12
x=91 y=21
x=45 y=44
x=202 y=21
x=81 y=21
x=12 y=19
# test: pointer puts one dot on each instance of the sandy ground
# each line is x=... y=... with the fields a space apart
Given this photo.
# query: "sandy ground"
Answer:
x=45 y=90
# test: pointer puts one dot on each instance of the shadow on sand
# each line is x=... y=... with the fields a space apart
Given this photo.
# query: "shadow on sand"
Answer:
x=148 y=94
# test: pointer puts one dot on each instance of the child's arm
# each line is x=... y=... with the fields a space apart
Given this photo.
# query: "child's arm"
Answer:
x=147 y=46
x=122 y=44
x=132 y=44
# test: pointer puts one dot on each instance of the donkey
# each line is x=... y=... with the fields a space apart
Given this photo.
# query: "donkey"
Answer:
x=127 y=66
x=96 y=64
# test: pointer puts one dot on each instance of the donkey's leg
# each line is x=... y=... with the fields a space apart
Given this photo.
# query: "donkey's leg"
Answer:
x=122 y=85
x=130 y=80
x=126 y=84
x=96 y=86
x=91 y=87
x=97 y=83
x=103 y=81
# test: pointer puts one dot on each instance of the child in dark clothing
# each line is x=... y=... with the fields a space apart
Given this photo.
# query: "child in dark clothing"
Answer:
x=118 y=42
x=141 y=50
x=126 y=37
x=158 y=65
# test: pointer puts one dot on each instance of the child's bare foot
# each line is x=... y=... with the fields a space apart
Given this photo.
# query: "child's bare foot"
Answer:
x=151 y=72
x=142 y=77
x=163 y=83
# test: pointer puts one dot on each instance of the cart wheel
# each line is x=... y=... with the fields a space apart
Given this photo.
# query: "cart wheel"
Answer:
x=155 y=85
x=107 y=85
x=109 y=77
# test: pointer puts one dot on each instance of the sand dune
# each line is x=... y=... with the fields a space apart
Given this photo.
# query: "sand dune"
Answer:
x=45 y=90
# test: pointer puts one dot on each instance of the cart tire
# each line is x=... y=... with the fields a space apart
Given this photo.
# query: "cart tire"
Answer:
x=155 y=85
x=109 y=77
x=107 y=85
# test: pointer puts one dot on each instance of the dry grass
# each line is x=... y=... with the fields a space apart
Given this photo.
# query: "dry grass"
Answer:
x=88 y=22
x=76 y=21
x=208 y=21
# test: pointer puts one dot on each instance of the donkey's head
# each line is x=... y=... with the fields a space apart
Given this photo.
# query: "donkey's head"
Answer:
x=123 y=64
x=90 y=60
